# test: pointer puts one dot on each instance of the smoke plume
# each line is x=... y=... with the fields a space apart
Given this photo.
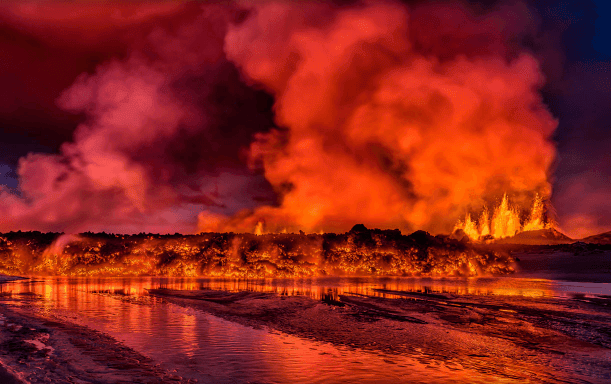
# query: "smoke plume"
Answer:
x=285 y=115
x=155 y=146
x=391 y=117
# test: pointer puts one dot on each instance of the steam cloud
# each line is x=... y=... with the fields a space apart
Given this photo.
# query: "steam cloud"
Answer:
x=394 y=119
x=391 y=116
x=156 y=145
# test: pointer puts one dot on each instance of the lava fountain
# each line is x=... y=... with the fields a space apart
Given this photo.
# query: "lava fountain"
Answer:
x=505 y=221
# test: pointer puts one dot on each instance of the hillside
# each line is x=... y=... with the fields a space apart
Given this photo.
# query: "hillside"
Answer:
x=548 y=236
x=601 y=238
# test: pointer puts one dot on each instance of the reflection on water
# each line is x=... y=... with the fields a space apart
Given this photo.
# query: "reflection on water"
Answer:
x=209 y=349
x=57 y=287
x=317 y=287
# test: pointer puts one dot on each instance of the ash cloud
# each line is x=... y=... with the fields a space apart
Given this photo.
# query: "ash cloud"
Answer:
x=394 y=117
x=45 y=47
x=314 y=116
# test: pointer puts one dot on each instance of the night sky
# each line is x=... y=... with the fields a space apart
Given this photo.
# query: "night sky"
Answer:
x=169 y=117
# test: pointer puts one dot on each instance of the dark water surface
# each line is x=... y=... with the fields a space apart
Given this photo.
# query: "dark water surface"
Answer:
x=200 y=346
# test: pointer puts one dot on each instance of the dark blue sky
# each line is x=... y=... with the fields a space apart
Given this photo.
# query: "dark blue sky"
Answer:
x=580 y=99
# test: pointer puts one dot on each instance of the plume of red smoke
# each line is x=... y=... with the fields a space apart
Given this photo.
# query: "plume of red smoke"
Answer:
x=46 y=45
x=390 y=116
x=140 y=161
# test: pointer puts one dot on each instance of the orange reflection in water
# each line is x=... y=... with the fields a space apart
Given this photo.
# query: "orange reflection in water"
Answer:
x=64 y=289
x=317 y=288
x=199 y=345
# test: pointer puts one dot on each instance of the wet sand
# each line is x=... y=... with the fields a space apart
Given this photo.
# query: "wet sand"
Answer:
x=39 y=349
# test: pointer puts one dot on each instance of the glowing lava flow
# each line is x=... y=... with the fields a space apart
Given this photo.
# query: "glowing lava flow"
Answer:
x=505 y=221
x=360 y=252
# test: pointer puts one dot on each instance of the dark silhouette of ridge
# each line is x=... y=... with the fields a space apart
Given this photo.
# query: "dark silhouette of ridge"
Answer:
x=601 y=238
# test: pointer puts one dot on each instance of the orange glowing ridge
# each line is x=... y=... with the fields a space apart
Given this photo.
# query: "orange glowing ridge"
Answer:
x=505 y=221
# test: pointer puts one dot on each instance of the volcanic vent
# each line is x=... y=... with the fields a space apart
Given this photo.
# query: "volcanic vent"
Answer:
x=508 y=221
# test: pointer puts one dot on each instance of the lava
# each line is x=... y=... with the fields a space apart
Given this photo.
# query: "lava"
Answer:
x=505 y=221
x=359 y=252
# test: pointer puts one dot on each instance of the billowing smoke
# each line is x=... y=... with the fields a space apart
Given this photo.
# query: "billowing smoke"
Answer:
x=390 y=117
x=156 y=145
x=293 y=115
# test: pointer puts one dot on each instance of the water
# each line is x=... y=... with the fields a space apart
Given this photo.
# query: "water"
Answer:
x=212 y=350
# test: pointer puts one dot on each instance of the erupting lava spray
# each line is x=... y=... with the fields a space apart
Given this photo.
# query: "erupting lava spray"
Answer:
x=505 y=221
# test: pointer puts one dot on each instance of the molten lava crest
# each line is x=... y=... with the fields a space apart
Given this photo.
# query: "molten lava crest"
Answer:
x=506 y=221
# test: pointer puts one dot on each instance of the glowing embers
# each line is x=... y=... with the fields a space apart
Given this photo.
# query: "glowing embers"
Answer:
x=505 y=221
x=360 y=252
